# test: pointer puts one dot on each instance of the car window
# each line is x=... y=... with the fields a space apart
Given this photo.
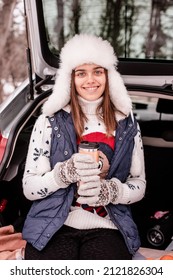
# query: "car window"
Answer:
x=136 y=29
x=140 y=32
x=146 y=108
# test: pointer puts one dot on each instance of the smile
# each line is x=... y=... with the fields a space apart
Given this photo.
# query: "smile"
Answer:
x=91 y=89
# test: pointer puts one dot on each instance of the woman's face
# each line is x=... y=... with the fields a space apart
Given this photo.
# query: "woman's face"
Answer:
x=90 y=81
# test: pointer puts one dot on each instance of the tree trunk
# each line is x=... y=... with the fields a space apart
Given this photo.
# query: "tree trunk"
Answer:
x=6 y=17
x=60 y=25
x=156 y=35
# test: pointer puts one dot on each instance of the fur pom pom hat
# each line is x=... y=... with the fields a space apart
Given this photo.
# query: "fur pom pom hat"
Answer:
x=83 y=49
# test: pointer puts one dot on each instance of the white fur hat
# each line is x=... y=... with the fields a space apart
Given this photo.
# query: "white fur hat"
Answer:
x=82 y=49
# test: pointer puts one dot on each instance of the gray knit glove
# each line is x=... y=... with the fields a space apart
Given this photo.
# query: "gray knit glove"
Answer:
x=98 y=193
x=80 y=167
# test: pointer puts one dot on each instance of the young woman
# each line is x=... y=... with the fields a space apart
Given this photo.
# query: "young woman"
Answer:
x=81 y=206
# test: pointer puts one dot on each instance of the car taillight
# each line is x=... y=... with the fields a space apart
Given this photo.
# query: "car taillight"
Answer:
x=3 y=204
x=3 y=143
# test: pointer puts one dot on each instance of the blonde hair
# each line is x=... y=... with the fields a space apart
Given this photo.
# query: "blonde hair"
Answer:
x=106 y=107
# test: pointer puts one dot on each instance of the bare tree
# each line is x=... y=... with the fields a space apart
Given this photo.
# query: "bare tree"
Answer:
x=111 y=23
x=156 y=36
x=59 y=28
x=13 y=68
x=75 y=17
x=128 y=26
x=6 y=18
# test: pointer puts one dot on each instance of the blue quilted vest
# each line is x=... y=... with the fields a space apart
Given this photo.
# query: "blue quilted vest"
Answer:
x=46 y=216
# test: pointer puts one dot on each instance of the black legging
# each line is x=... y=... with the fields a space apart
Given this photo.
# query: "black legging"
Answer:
x=73 y=244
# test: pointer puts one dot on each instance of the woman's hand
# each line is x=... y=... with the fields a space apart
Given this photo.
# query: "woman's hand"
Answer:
x=98 y=193
x=77 y=168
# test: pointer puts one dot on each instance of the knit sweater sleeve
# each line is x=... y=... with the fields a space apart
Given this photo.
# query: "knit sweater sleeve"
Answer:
x=39 y=180
x=133 y=189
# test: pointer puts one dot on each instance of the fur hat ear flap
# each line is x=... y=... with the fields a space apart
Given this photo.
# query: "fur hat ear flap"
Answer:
x=118 y=92
x=60 y=96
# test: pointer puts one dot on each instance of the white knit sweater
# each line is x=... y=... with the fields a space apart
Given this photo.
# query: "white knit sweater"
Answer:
x=36 y=186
